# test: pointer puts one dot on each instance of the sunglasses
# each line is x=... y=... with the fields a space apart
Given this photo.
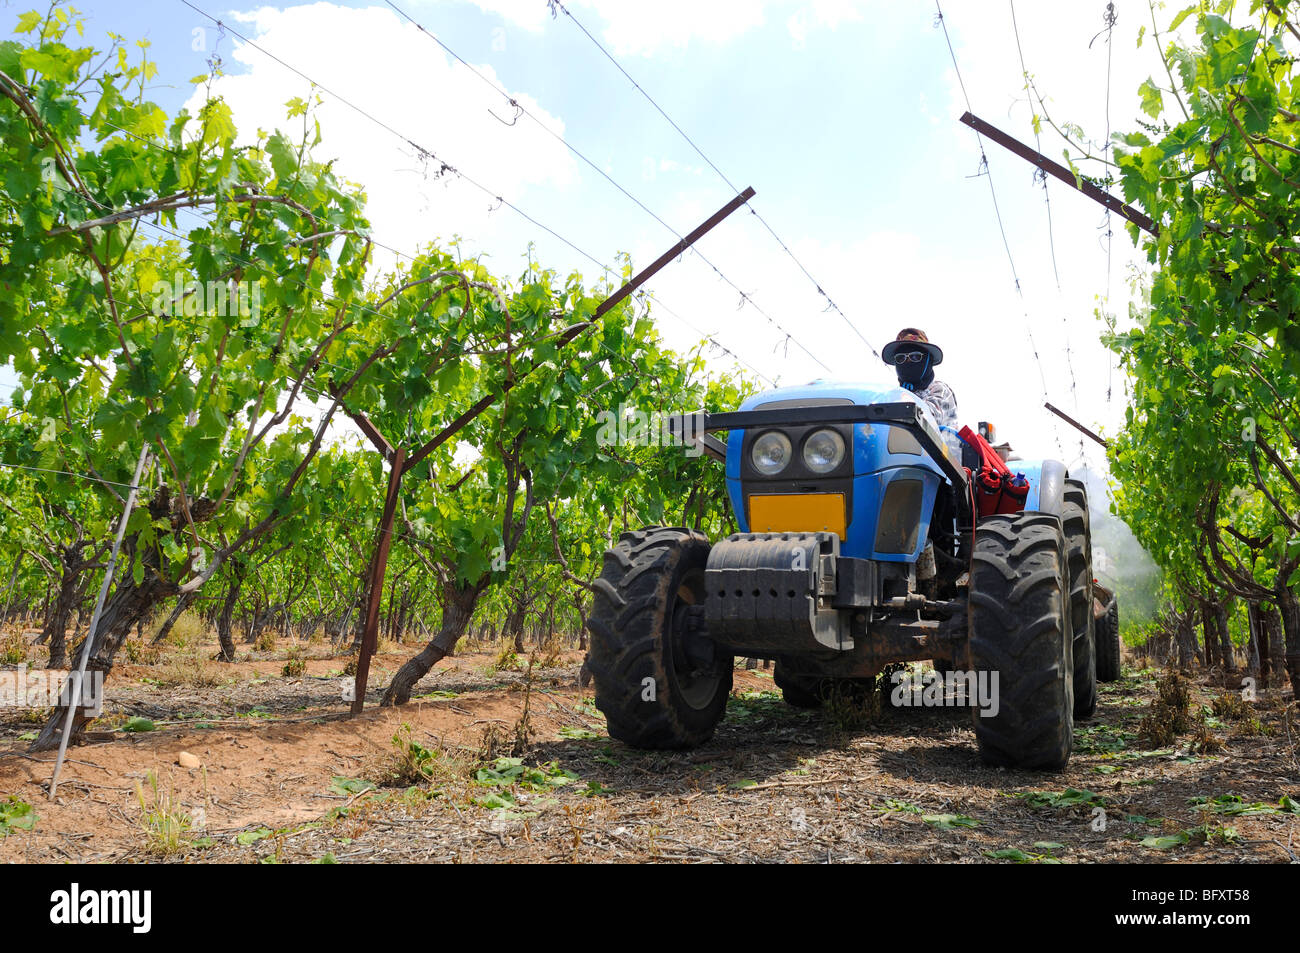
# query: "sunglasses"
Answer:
x=915 y=357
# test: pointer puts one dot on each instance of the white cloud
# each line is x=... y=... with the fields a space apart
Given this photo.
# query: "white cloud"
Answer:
x=643 y=29
x=822 y=13
x=414 y=87
x=529 y=14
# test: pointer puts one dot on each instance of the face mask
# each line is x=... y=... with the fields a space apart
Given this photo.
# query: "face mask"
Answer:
x=915 y=375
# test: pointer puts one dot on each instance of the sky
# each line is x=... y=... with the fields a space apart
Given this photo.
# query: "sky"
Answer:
x=843 y=116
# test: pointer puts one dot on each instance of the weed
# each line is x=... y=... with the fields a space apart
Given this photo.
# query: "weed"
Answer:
x=1101 y=739
x=1046 y=847
x=1204 y=740
x=1214 y=833
x=164 y=822
x=190 y=668
x=35 y=716
x=142 y=653
x=413 y=762
x=16 y=815
x=188 y=630
x=893 y=805
x=1069 y=798
x=296 y=665
x=510 y=772
x=523 y=730
x=1232 y=805
x=1230 y=706
x=552 y=649
x=13 y=649
x=1252 y=728
x=1170 y=712
x=265 y=641
x=493 y=743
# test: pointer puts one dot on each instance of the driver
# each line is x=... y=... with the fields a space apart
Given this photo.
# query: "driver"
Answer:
x=914 y=358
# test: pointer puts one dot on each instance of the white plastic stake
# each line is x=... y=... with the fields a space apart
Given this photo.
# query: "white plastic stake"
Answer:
x=74 y=697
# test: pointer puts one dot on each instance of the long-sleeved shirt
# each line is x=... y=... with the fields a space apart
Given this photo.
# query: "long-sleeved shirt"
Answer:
x=942 y=401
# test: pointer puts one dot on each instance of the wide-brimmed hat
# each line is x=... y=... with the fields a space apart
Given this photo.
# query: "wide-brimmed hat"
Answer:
x=912 y=338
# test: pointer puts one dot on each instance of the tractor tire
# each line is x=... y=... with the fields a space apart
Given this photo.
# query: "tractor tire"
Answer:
x=1108 y=648
x=1020 y=629
x=1078 y=551
x=653 y=693
x=798 y=691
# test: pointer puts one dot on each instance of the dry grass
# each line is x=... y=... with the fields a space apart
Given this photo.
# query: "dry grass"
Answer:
x=164 y=822
x=265 y=641
x=190 y=668
x=552 y=652
x=413 y=763
x=295 y=665
x=1231 y=706
x=13 y=648
x=1170 y=714
x=507 y=660
x=142 y=653
x=188 y=631
x=1252 y=728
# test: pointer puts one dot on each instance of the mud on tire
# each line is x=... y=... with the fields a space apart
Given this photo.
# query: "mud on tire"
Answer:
x=1020 y=628
x=1078 y=552
x=640 y=626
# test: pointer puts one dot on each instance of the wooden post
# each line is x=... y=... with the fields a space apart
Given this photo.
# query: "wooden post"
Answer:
x=1118 y=206
x=370 y=635
x=1075 y=424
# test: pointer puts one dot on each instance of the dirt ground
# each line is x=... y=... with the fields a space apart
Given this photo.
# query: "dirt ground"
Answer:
x=284 y=776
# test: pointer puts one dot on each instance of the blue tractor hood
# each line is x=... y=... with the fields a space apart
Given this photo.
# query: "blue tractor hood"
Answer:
x=878 y=461
x=834 y=391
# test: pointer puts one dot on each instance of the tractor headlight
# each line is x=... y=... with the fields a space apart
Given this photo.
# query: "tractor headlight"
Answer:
x=771 y=453
x=823 y=451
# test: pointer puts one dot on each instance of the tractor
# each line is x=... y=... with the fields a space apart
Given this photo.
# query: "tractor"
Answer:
x=868 y=538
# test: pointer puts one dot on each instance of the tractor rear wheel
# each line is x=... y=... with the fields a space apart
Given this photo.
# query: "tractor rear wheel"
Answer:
x=1020 y=632
x=1078 y=550
x=1108 y=650
x=658 y=679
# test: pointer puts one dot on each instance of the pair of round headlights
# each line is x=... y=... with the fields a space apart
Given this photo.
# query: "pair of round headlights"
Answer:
x=772 y=452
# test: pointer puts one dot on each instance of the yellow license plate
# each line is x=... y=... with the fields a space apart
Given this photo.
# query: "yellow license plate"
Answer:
x=797 y=513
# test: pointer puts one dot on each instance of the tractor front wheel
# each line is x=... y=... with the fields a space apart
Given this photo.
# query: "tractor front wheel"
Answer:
x=658 y=680
x=1020 y=633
